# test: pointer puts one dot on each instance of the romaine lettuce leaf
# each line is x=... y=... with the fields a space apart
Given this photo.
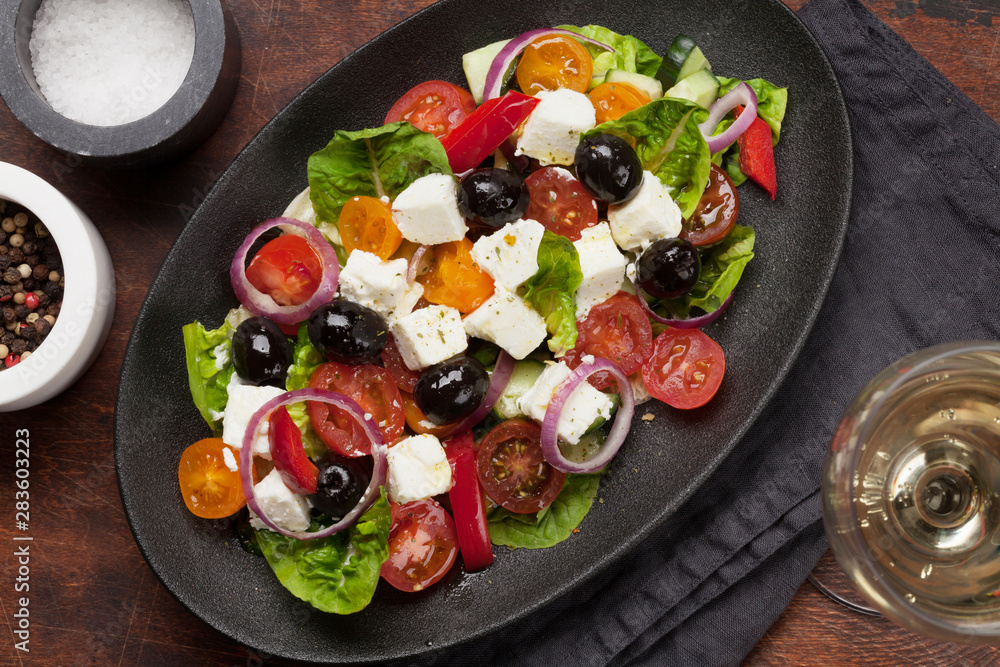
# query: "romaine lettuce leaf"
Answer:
x=721 y=268
x=551 y=525
x=552 y=290
x=374 y=162
x=335 y=574
x=305 y=359
x=210 y=368
x=631 y=54
x=771 y=101
x=667 y=139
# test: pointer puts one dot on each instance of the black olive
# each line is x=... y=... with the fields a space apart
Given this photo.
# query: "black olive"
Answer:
x=341 y=483
x=261 y=353
x=609 y=168
x=668 y=268
x=453 y=389
x=347 y=332
x=493 y=197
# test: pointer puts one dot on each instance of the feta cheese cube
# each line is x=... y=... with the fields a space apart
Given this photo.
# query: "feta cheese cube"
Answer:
x=583 y=407
x=648 y=216
x=244 y=400
x=510 y=255
x=285 y=508
x=418 y=469
x=379 y=285
x=603 y=268
x=505 y=319
x=552 y=131
x=427 y=211
x=429 y=336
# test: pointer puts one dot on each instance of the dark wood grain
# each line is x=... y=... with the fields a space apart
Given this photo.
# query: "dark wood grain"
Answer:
x=93 y=599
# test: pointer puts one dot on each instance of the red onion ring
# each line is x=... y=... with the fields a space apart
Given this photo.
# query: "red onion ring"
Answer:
x=503 y=60
x=740 y=95
x=261 y=304
x=413 y=268
x=620 y=428
x=691 y=322
x=502 y=371
x=379 y=449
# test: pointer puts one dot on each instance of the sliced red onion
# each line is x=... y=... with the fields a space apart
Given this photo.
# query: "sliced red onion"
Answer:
x=691 y=322
x=623 y=420
x=502 y=370
x=263 y=305
x=740 y=95
x=503 y=60
x=346 y=404
x=416 y=262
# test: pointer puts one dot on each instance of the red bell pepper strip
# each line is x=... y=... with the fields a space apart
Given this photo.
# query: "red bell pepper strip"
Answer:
x=467 y=505
x=485 y=129
x=289 y=458
x=757 y=154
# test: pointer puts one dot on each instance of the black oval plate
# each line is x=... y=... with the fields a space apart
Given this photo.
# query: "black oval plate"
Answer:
x=798 y=243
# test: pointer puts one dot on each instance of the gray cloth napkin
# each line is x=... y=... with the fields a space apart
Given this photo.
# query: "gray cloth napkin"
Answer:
x=920 y=266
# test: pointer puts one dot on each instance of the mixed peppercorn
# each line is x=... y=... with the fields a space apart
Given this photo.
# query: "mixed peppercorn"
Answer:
x=31 y=283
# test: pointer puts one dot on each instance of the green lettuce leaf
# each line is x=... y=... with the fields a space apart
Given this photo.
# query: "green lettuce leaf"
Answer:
x=669 y=144
x=721 y=268
x=305 y=359
x=631 y=54
x=375 y=162
x=551 y=525
x=335 y=574
x=209 y=368
x=552 y=290
x=771 y=101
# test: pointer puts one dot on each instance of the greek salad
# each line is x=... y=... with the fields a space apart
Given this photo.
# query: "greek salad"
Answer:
x=440 y=344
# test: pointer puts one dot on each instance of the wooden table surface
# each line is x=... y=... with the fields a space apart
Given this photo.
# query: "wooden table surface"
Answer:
x=93 y=599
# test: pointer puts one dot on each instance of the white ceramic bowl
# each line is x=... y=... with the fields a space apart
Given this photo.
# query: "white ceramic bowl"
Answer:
x=88 y=299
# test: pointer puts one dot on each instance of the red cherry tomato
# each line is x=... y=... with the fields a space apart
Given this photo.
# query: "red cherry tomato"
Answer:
x=422 y=546
x=433 y=106
x=716 y=213
x=404 y=378
x=296 y=470
x=373 y=389
x=467 y=504
x=513 y=470
x=617 y=329
x=685 y=369
x=287 y=269
x=560 y=202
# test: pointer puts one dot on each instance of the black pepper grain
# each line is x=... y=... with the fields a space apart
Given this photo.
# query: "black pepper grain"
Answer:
x=7 y=338
x=29 y=284
x=5 y=261
x=11 y=275
x=16 y=255
x=8 y=315
x=6 y=292
x=18 y=346
x=29 y=247
x=53 y=310
x=43 y=299
x=43 y=327
x=40 y=272
x=50 y=288
x=21 y=311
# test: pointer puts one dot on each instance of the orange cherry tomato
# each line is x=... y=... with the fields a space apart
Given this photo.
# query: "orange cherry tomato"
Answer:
x=366 y=224
x=454 y=279
x=613 y=100
x=551 y=62
x=418 y=421
x=209 y=488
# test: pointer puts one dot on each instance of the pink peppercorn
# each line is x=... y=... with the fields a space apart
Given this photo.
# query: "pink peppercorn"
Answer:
x=11 y=360
x=31 y=300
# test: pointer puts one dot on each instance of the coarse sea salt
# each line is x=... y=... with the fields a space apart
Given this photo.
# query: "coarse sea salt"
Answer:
x=109 y=62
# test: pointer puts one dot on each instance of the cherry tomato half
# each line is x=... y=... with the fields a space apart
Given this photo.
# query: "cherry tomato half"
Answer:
x=685 y=369
x=513 y=470
x=418 y=421
x=366 y=224
x=617 y=329
x=716 y=213
x=454 y=279
x=433 y=106
x=404 y=378
x=560 y=202
x=373 y=389
x=287 y=269
x=422 y=546
x=209 y=488
x=613 y=100
x=551 y=62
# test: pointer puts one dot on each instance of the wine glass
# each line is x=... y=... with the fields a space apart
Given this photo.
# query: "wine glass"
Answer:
x=911 y=492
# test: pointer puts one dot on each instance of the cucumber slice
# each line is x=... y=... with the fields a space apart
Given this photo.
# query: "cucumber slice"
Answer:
x=477 y=64
x=682 y=59
x=589 y=445
x=701 y=88
x=522 y=378
x=600 y=421
x=646 y=84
